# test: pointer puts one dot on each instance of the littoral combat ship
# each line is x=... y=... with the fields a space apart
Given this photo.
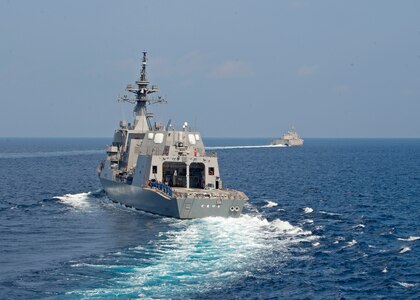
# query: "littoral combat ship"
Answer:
x=290 y=139
x=162 y=170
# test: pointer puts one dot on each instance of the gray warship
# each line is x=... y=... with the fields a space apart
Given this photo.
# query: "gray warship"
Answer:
x=162 y=170
x=291 y=138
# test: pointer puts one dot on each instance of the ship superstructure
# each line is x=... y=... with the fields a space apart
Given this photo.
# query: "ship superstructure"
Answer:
x=163 y=170
x=291 y=138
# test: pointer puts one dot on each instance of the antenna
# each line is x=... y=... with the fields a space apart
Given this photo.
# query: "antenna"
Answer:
x=168 y=125
x=141 y=90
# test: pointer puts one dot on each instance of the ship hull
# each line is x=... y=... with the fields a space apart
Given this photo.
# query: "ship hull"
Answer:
x=182 y=207
x=289 y=143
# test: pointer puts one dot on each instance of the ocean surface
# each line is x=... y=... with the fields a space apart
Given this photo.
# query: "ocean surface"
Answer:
x=334 y=219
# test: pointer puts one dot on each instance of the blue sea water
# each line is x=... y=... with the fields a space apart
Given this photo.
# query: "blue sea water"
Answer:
x=334 y=219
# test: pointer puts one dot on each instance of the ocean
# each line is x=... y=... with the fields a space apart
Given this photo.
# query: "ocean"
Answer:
x=334 y=219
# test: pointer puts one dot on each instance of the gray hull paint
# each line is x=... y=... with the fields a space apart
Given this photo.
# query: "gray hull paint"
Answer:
x=184 y=208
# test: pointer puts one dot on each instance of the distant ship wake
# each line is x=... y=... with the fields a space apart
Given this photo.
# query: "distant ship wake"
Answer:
x=244 y=147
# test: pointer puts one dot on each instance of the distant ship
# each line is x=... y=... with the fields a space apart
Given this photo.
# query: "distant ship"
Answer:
x=162 y=170
x=291 y=138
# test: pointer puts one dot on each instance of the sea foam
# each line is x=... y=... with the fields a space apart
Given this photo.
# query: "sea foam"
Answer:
x=405 y=249
x=410 y=238
x=270 y=204
x=78 y=201
x=350 y=244
x=359 y=226
x=202 y=254
x=308 y=210
x=406 y=284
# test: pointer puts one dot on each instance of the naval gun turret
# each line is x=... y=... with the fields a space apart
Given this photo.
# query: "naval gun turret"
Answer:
x=163 y=170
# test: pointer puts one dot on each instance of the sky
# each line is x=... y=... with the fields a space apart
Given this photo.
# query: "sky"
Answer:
x=229 y=68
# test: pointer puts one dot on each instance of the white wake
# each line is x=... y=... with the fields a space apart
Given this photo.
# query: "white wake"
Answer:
x=244 y=147
x=78 y=201
x=202 y=254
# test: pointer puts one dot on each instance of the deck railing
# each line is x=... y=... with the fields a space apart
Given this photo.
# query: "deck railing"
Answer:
x=161 y=186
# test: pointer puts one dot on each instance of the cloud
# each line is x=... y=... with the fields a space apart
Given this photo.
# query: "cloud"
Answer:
x=306 y=71
x=232 y=69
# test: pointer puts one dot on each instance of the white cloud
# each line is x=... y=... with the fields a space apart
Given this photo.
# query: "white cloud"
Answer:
x=232 y=69
x=306 y=71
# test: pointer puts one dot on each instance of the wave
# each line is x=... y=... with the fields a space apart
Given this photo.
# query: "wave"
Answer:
x=406 y=284
x=49 y=154
x=350 y=244
x=410 y=238
x=359 y=226
x=244 y=147
x=405 y=249
x=308 y=210
x=329 y=213
x=201 y=254
x=78 y=201
x=270 y=204
x=339 y=240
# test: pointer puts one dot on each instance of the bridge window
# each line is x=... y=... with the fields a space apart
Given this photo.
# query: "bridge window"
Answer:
x=158 y=138
x=191 y=139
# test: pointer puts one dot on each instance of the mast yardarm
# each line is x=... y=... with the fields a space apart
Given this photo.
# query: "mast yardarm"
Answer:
x=141 y=116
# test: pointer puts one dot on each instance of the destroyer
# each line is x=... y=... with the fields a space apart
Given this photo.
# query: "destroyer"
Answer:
x=162 y=170
x=291 y=138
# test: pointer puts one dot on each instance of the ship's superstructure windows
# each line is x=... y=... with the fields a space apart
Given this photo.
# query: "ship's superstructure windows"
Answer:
x=175 y=174
x=197 y=179
x=191 y=139
x=154 y=169
x=158 y=138
x=211 y=171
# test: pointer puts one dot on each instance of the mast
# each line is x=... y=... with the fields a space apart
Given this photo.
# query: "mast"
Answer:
x=141 y=116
